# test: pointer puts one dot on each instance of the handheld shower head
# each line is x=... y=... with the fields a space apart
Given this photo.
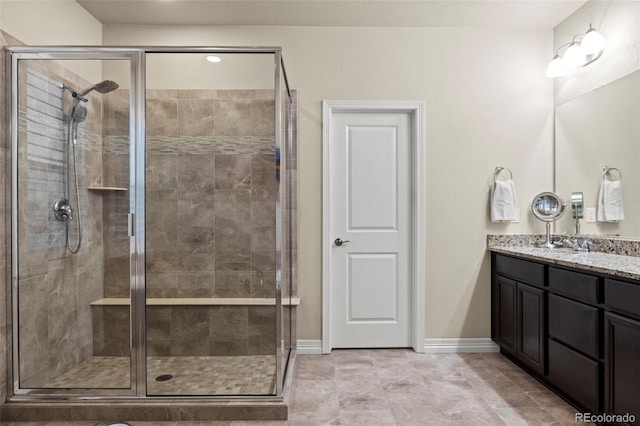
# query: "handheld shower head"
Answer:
x=79 y=114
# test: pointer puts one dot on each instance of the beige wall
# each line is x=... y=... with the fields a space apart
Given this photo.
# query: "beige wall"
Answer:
x=619 y=23
x=487 y=103
x=54 y=22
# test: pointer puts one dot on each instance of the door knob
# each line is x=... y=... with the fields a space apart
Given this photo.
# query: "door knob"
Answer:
x=340 y=242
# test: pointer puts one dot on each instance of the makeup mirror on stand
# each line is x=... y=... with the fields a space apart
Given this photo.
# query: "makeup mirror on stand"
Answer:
x=548 y=207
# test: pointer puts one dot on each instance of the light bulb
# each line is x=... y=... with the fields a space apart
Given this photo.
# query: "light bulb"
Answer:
x=593 y=42
x=574 y=56
x=556 y=68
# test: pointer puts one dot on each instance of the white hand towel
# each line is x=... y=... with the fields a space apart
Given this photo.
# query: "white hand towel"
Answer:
x=503 y=201
x=610 y=207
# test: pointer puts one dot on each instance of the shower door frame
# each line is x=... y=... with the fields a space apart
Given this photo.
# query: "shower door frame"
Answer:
x=137 y=169
x=136 y=61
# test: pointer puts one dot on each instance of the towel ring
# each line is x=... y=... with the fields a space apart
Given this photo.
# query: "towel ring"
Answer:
x=607 y=169
x=499 y=169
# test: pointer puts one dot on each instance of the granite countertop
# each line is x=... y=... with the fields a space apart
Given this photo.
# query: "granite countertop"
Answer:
x=612 y=264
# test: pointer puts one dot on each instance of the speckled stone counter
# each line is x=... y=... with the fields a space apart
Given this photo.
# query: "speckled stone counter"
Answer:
x=612 y=264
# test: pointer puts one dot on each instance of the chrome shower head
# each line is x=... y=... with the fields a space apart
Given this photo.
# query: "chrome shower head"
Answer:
x=105 y=86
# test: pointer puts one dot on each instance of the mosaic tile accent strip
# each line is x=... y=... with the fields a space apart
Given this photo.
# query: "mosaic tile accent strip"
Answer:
x=194 y=144
x=201 y=375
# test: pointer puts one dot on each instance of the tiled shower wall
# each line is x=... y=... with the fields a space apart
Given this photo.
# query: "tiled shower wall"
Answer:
x=210 y=193
x=56 y=287
x=210 y=226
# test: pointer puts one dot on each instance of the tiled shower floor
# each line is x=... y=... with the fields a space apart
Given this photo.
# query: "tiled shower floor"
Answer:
x=192 y=375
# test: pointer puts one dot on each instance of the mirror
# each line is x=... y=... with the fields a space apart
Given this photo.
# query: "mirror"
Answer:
x=548 y=207
x=600 y=128
x=577 y=204
x=577 y=208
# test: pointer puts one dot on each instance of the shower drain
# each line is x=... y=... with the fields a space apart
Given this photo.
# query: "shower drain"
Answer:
x=164 y=378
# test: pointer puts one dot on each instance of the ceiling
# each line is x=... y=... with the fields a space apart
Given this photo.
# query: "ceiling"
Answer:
x=528 y=14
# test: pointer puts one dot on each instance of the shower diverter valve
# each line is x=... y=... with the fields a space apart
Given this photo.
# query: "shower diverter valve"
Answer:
x=62 y=209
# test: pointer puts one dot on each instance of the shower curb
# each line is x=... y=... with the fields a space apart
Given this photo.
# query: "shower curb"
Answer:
x=169 y=409
x=131 y=410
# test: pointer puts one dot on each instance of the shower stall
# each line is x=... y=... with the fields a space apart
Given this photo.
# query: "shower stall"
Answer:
x=151 y=223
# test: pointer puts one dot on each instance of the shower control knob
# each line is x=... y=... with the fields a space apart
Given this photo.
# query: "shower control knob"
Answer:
x=62 y=209
x=340 y=242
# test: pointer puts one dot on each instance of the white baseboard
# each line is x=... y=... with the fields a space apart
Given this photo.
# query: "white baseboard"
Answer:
x=469 y=345
x=431 y=346
x=309 y=347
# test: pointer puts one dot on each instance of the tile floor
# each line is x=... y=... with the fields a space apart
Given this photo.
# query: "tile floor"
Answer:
x=400 y=387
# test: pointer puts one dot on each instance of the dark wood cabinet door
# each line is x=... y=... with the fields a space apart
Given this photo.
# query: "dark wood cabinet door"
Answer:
x=622 y=368
x=531 y=340
x=505 y=297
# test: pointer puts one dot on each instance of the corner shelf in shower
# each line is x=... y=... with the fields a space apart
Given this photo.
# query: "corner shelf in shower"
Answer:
x=106 y=188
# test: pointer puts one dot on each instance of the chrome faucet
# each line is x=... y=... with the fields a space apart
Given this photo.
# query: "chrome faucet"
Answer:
x=584 y=247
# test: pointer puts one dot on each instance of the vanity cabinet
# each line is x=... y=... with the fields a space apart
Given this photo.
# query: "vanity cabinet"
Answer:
x=576 y=331
x=519 y=317
x=622 y=352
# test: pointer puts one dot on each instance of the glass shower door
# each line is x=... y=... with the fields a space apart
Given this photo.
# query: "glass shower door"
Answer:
x=71 y=199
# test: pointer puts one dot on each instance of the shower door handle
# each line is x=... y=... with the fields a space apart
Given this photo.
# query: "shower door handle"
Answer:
x=131 y=224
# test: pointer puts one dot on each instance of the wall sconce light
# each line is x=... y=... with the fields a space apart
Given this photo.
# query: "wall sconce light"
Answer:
x=579 y=53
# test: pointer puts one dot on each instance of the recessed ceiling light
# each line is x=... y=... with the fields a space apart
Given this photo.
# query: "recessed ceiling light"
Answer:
x=213 y=59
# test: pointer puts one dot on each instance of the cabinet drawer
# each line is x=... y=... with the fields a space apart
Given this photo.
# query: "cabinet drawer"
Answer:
x=623 y=297
x=574 y=284
x=521 y=270
x=575 y=324
x=575 y=375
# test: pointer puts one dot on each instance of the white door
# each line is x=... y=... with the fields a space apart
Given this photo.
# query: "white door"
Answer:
x=369 y=194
